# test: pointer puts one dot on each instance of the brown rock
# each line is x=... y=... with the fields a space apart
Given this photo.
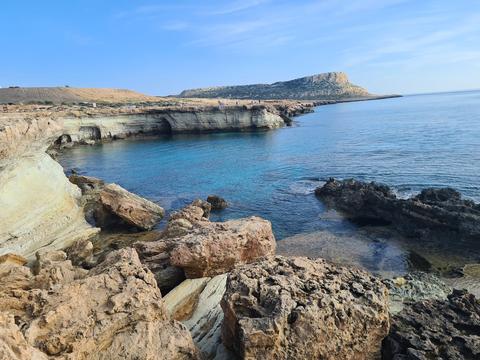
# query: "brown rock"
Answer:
x=131 y=208
x=86 y=183
x=13 y=259
x=215 y=248
x=13 y=345
x=114 y=312
x=296 y=308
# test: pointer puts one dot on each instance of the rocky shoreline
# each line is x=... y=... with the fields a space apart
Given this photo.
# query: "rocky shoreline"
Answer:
x=199 y=289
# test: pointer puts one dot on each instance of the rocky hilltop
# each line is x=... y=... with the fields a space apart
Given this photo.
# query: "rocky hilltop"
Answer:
x=326 y=86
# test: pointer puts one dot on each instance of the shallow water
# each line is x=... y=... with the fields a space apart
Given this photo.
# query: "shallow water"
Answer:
x=410 y=143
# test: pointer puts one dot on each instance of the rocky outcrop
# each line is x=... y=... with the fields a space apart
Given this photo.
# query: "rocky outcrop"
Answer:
x=436 y=329
x=131 y=208
x=215 y=248
x=111 y=207
x=333 y=85
x=433 y=214
x=296 y=308
x=40 y=206
x=217 y=202
x=196 y=247
x=113 y=311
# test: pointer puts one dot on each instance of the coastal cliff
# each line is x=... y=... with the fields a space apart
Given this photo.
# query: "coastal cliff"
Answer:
x=169 y=121
x=39 y=204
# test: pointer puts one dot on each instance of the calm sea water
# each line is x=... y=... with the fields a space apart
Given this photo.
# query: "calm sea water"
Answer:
x=409 y=143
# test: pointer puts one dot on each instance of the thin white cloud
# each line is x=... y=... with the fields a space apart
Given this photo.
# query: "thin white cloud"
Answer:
x=236 y=6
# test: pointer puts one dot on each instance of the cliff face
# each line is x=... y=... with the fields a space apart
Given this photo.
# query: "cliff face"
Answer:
x=38 y=204
x=97 y=127
x=333 y=85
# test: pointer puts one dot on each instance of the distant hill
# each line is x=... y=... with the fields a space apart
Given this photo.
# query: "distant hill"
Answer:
x=332 y=85
x=57 y=95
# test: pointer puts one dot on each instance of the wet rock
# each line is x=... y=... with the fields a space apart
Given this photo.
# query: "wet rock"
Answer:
x=436 y=329
x=217 y=202
x=296 y=308
x=131 y=208
x=433 y=214
x=415 y=287
x=214 y=248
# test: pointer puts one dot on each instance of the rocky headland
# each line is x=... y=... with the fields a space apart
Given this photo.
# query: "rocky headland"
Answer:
x=327 y=86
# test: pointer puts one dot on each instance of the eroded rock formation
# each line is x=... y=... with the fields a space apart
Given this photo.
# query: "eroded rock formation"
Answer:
x=39 y=205
x=296 y=308
x=434 y=213
x=436 y=329
x=113 y=311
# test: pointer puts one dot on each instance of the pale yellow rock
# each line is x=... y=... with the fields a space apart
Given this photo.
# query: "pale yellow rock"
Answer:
x=13 y=259
x=183 y=299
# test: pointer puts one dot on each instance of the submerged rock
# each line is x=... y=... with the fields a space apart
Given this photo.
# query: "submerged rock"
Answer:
x=436 y=329
x=296 y=308
x=433 y=214
x=217 y=202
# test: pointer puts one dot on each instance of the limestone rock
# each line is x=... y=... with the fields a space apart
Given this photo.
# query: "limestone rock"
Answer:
x=196 y=302
x=131 y=208
x=86 y=183
x=13 y=345
x=215 y=248
x=43 y=211
x=296 y=308
x=114 y=312
x=217 y=202
x=13 y=259
x=434 y=214
x=436 y=329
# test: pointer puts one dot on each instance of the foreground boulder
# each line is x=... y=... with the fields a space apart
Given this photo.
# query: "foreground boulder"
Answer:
x=112 y=207
x=193 y=247
x=434 y=213
x=436 y=329
x=114 y=311
x=215 y=248
x=131 y=208
x=296 y=308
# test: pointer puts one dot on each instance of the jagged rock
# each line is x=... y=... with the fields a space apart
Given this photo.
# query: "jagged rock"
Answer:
x=131 y=208
x=114 y=312
x=193 y=246
x=13 y=345
x=217 y=202
x=156 y=256
x=81 y=253
x=214 y=248
x=436 y=329
x=296 y=308
x=433 y=214
x=53 y=268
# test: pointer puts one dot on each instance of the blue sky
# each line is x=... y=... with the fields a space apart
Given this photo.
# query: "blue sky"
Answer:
x=163 y=47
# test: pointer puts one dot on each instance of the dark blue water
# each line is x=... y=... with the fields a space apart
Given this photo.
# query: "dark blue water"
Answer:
x=410 y=143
